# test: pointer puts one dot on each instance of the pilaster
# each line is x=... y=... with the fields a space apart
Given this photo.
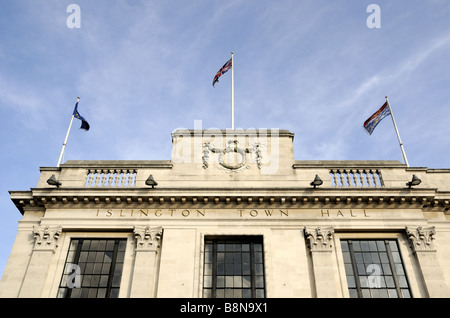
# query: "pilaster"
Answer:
x=147 y=246
x=46 y=242
x=422 y=244
x=320 y=243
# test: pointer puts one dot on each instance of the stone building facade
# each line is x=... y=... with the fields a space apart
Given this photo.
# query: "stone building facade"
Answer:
x=232 y=214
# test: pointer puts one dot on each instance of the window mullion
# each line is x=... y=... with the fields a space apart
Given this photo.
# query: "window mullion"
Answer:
x=76 y=260
x=214 y=270
x=355 y=268
x=113 y=268
x=252 y=270
x=393 y=269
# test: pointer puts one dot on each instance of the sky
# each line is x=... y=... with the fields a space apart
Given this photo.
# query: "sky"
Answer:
x=144 y=68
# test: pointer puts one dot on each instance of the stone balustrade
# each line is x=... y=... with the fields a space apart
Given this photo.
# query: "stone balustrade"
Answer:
x=354 y=178
x=111 y=178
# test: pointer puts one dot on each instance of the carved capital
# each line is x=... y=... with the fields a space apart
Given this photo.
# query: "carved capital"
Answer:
x=46 y=238
x=147 y=239
x=320 y=238
x=421 y=238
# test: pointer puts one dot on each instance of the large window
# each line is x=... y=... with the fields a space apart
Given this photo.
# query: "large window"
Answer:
x=93 y=268
x=234 y=268
x=374 y=269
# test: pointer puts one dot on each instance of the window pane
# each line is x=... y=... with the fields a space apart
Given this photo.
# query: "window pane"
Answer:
x=402 y=282
x=347 y=258
x=384 y=258
x=392 y=293
x=237 y=281
x=396 y=257
x=348 y=269
x=375 y=258
x=229 y=281
x=259 y=281
x=351 y=282
x=207 y=281
x=246 y=281
x=364 y=246
x=399 y=269
x=207 y=293
x=381 y=246
x=353 y=293
x=344 y=246
x=406 y=293
x=220 y=281
x=259 y=269
x=373 y=246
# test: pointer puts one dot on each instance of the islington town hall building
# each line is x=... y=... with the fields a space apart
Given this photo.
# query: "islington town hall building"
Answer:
x=232 y=214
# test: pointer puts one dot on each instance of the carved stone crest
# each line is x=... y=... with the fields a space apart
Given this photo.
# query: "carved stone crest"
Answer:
x=147 y=239
x=46 y=237
x=421 y=238
x=231 y=148
x=320 y=238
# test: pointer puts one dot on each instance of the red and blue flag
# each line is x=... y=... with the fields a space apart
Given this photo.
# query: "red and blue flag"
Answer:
x=372 y=121
x=222 y=71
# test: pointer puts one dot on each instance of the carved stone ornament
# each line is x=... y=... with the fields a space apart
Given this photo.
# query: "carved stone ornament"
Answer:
x=46 y=238
x=320 y=238
x=147 y=239
x=231 y=148
x=421 y=238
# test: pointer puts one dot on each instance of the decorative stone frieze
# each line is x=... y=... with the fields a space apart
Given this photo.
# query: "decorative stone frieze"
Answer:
x=46 y=238
x=421 y=238
x=147 y=239
x=319 y=238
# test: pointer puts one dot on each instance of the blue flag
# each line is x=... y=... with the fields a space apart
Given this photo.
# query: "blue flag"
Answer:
x=84 y=123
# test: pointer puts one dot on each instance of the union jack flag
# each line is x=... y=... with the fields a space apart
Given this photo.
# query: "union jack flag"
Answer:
x=222 y=70
x=372 y=121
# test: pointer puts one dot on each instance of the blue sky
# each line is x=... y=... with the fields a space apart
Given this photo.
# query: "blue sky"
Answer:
x=145 y=68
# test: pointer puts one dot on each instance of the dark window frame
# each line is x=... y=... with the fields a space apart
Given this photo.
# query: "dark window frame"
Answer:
x=256 y=247
x=112 y=287
x=401 y=291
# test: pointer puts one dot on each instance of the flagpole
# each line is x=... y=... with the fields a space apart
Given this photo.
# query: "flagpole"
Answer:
x=398 y=135
x=232 y=92
x=67 y=136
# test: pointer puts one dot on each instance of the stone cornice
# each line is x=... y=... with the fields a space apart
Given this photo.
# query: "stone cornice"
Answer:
x=428 y=199
x=101 y=164
x=234 y=132
x=373 y=164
